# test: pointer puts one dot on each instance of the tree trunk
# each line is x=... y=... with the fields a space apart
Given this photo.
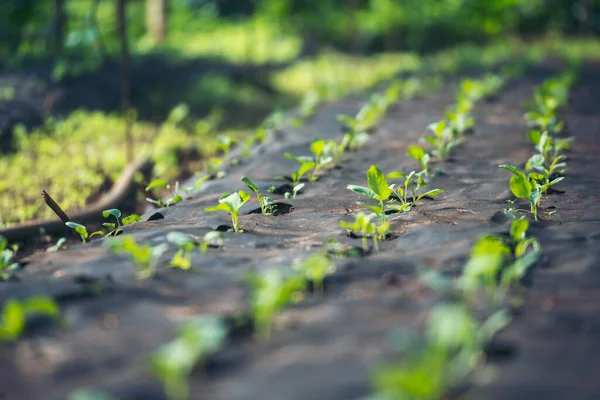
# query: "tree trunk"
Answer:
x=125 y=77
x=156 y=19
x=59 y=26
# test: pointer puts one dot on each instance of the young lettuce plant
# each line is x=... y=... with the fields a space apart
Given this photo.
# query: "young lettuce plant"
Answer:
x=524 y=187
x=315 y=269
x=443 y=140
x=231 y=204
x=173 y=362
x=271 y=291
x=15 y=313
x=267 y=204
x=144 y=256
x=82 y=231
x=116 y=227
x=367 y=226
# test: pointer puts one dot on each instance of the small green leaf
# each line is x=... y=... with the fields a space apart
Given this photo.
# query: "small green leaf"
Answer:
x=416 y=152
x=363 y=191
x=158 y=183
x=518 y=229
x=519 y=184
x=378 y=183
x=130 y=219
x=250 y=184
x=41 y=305
x=113 y=211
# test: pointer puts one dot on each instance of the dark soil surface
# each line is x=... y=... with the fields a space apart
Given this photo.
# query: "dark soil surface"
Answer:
x=324 y=347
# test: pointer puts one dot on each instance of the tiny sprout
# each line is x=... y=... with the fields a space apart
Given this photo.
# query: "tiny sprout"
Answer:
x=59 y=244
x=144 y=256
x=267 y=204
x=443 y=140
x=116 y=227
x=306 y=166
x=315 y=269
x=173 y=362
x=231 y=204
x=367 y=226
x=186 y=244
x=271 y=291
x=82 y=231
x=174 y=198
x=15 y=313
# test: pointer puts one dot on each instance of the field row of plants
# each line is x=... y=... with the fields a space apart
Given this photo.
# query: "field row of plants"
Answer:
x=90 y=162
x=457 y=334
x=484 y=296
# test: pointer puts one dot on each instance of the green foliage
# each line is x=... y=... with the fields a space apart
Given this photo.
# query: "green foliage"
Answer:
x=82 y=231
x=315 y=269
x=528 y=187
x=271 y=291
x=116 y=227
x=443 y=139
x=174 y=197
x=173 y=362
x=368 y=226
x=7 y=263
x=267 y=204
x=15 y=313
x=419 y=154
x=60 y=243
x=144 y=256
x=231 y=204
x=186 y=244
x=307 y=166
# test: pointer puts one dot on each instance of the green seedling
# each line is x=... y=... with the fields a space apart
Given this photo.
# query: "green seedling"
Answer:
x=231 y=204
x=325 y=153
x=460 y=119
x=267 y=204
x=380 y=190
x=367 y=117
x=309 y=104
x=213 y=168
x=116 y=227
x=307 y=166
x=225 y=143
x=443 y=140
x=145 y=257
x=174 y=197
x=419 y=154
x=82 y=231
x=315 y=269
x=548 y=146
x=353 y=141
x=524 y=187
x=15 y=314
x=200 y=181
x=7 y=263
x=186 y=244
x=271 y=291
x=337 y=250
x=367 y=226
x=173 y=362
x=409 y=187
x=59 y=244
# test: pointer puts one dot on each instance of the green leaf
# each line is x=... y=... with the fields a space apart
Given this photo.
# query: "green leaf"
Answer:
x=378 y=183
x=180 y=239
x=519 y=184
x=452 y=326
x=304 y=168
x=113 y=211
x=363 y=191
x=200 y=181
x=13 y=320
x=317 y=146
x=416 y=152
x=250 y=184
x=41 y=305
x=156 y=184
x=518 y=229
x=59 y=243
x=430 y=193
x=396 y=175
x=130 y=219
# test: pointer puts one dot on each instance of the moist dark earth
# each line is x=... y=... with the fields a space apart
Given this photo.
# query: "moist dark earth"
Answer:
x=324 y=347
